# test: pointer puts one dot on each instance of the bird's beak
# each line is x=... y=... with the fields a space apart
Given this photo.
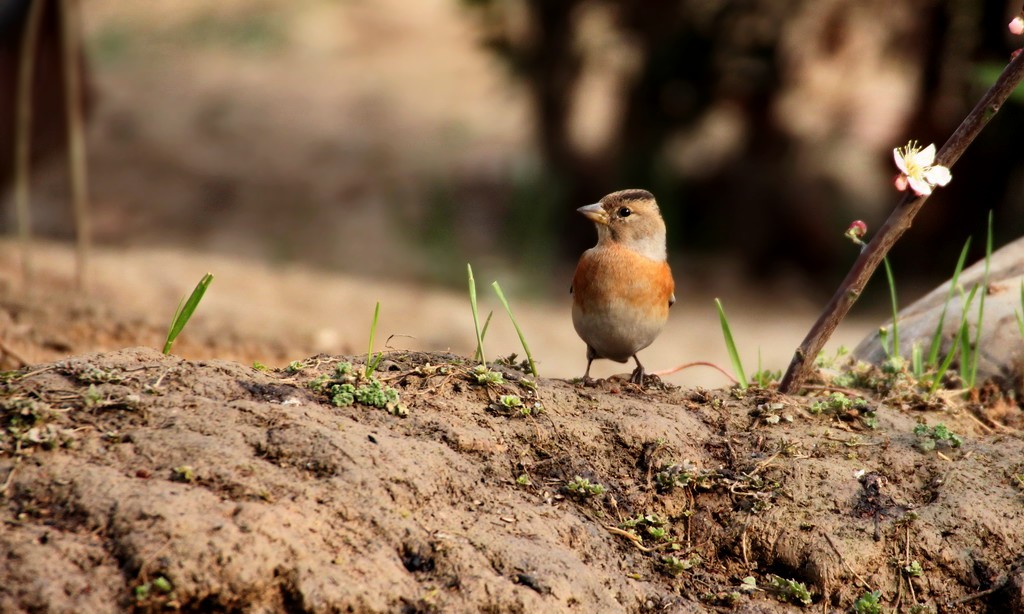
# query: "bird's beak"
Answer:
x=595 y=213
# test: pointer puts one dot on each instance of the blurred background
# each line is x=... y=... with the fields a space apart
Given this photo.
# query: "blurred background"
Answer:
x=320 y=155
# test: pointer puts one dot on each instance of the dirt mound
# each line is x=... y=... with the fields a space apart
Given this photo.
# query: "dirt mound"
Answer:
x=131 y=479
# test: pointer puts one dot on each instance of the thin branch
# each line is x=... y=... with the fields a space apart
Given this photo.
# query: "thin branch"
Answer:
x=73 y=103
x=898 y=223
x=23 y=133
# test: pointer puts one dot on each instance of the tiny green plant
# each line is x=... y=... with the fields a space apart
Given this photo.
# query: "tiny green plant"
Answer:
x=485 y=376
x=372 y=362
x=789 y=590
x=929 y=437
x=914 y=570
x=845 y=408
x=764 y=377
x=295 y=366
x=183 y=473
x=476 y=315
x=522 y=338
x=583 y=488
x=186 y=307
x=869 y=603
x=674 y=566
x=730 y=345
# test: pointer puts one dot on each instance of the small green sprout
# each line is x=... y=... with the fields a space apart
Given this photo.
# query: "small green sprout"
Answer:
x=658 y=533
x=92 y=396
x=510 y=401
x=295 y=366
x=162 y=584
x=259 y=366
x=928 y=438
x=317 y=384
x=748 y=584
x=184 y=473
x=674 y=566
x=914 y=570
x=485 y=376
x=185 y=310
x=343 y=395
x=343 y=368
x=790 y=590
x=677 y=474
x=376 y=394
x=844 y=407
x=523 y=480
x=869 y=603
x=583 y=488
x=142 y=591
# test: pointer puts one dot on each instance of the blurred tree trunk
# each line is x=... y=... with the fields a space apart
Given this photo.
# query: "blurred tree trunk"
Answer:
x=815 y=94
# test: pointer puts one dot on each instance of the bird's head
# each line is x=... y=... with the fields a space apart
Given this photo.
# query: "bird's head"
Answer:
x=629 y=218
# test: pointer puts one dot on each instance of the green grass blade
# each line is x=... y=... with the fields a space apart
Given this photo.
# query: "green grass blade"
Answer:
x=1020 y=314
x=981 y=305
x=895 y=308
x=941 y=372
x=917 y=361
x=730 y=345
x=933 y=351
x=522 y=339
x=476 y=315
x=185 y=310
x=483 y=333
x=371 y=363
x=963 y=333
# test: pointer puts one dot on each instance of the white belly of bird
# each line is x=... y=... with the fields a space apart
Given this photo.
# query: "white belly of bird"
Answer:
x=616 y=330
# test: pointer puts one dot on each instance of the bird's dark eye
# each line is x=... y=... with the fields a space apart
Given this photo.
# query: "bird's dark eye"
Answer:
x=625 y=212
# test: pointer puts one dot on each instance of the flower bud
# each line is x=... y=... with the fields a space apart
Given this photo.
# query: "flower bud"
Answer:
x=1016 y=26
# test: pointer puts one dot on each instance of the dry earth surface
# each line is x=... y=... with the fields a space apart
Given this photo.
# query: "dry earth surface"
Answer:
x=134 y=480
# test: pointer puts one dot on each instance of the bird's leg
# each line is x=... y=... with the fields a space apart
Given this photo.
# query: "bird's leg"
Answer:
x=591 y=355
x=638 y=373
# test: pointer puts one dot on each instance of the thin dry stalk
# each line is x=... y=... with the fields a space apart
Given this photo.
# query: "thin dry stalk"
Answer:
x=23 y=134
x=73 y=103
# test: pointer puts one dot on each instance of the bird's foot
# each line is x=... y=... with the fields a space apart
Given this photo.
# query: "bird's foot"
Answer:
x=588 y=382
x=638 y=376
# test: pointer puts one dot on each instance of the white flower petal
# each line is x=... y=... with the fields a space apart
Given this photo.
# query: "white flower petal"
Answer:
x=926 y=156
x=937 y=175
x=920 y=186
x=900 y=162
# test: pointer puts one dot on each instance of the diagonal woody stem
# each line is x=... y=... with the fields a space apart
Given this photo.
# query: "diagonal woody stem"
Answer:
x=898 y=223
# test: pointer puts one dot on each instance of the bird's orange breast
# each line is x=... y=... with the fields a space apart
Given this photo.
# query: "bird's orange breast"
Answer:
x=616 y=275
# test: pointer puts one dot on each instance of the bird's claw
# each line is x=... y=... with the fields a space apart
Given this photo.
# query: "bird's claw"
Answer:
x=637 y=377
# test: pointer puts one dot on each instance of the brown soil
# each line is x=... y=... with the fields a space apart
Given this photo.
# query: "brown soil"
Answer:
x=247 y=490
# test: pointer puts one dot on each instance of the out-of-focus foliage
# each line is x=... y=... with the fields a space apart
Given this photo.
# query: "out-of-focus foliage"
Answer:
x=763 y=126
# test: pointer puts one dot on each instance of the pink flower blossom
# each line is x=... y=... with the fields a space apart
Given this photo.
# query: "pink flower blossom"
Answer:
x=1017 y=25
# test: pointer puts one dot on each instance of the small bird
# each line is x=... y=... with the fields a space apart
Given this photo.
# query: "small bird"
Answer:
x=623 y=286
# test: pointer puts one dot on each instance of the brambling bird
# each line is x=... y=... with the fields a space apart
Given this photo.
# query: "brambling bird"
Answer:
x=623 y=286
